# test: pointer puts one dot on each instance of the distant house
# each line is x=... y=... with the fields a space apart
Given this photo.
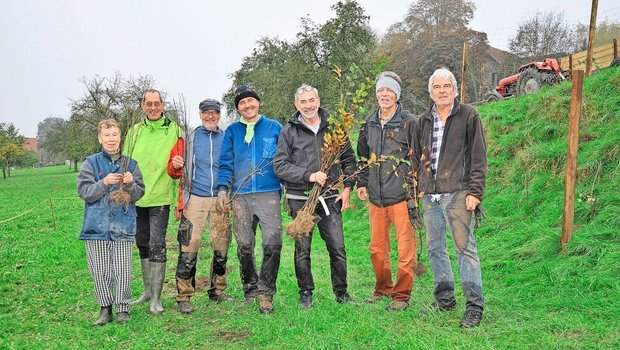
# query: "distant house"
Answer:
x=498 y=65
x=32 y=144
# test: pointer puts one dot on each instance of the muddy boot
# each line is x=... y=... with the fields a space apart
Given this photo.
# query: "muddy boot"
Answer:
x=146 y=279
x=105 y=316
x=158 y=272
x=122 y=317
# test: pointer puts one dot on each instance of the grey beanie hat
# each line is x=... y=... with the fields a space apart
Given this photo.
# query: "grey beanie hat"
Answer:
x=389 y=80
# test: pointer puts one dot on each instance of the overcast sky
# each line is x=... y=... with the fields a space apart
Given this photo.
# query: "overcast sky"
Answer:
x=188 y=46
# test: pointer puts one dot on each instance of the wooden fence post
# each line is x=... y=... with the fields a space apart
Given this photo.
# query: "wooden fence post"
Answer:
x=52 y=213
x=571 y=161
x=464 y=70
x=591 y=37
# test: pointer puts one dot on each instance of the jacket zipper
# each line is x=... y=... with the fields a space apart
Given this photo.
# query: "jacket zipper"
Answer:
x=211 y=160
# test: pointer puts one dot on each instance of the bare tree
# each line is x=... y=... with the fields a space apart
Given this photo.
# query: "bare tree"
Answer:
x=543 y=35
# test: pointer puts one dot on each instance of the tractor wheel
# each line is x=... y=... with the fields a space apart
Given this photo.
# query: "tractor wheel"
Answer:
x=530 y=80
x=492 y=98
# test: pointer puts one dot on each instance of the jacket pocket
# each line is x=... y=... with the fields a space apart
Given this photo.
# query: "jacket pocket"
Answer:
x=123 y=223
x=96 y=218
x=269 y=147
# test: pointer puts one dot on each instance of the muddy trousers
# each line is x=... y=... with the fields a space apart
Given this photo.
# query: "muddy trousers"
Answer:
x=152 y=223
x=109 y=263
x=331 y=231
x=199 y=212
x=263 y=207
x=381 y=219
x=450 y=212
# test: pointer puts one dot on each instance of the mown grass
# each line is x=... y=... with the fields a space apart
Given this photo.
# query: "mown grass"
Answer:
x=536 y=298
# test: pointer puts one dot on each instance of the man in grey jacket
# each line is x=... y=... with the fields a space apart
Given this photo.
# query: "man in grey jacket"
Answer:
x=298 y=163
x=450 y=157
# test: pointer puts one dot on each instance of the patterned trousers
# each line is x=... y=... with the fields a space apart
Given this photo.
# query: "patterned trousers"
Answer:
x=109 y=263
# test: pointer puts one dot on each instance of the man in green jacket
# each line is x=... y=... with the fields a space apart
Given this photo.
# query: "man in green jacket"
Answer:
x=149 y=142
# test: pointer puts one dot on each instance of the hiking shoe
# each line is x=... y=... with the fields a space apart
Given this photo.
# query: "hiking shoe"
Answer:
x=397 y=305
x=265 y=306
x=105 y=316
x=305 y=299
x=185 y=307
x=471 y=319
x=122 y=317
x=374 y=298
x=434 y=306
x=250 y=297
x=345 y=298
x=220 y=298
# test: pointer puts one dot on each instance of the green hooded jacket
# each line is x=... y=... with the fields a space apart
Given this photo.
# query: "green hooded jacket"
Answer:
x=152 y=142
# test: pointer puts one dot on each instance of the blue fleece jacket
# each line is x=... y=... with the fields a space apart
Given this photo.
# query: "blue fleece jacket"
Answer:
x=248 y=168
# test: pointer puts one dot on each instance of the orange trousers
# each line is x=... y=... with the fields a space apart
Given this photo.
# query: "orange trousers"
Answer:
x=381 y=219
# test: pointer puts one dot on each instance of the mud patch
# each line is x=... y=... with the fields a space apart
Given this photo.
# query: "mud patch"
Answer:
x=232 y=335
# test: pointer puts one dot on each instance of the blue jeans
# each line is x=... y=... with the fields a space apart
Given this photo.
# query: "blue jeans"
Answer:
x=450 y=211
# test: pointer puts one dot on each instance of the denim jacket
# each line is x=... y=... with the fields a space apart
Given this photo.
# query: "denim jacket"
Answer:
x=104 y=220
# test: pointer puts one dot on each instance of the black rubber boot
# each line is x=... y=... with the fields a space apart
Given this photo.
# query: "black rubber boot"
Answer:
x=105 y=316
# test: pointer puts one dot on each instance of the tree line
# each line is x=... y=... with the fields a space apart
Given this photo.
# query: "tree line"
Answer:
x=430 y=35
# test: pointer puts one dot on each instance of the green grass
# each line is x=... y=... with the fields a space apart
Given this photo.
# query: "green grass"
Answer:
x=536 y=298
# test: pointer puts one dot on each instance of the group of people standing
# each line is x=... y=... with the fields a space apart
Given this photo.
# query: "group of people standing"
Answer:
x=439 y=157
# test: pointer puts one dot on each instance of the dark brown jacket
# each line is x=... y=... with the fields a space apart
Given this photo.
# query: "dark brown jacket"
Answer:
x=462 y=160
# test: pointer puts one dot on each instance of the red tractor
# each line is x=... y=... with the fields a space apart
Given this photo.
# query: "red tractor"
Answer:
x=529 y=78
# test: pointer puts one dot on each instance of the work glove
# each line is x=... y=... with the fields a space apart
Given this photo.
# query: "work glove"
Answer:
x=221 y=204
x=414 y=214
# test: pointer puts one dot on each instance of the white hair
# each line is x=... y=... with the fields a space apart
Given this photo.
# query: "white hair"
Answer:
x=443 y=73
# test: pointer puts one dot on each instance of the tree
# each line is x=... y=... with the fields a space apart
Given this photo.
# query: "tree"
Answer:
x=11 y=147
x=431 y=36
x=277 y=67
x=544 y=34
x=606 y=32
x=43 y=129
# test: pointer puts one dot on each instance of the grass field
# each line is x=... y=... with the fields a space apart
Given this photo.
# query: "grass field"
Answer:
x=536 y=298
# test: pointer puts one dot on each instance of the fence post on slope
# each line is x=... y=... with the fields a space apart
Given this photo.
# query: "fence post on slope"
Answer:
x=591 y=33
x=53 y=216
x=571 y=160
x=464 y=70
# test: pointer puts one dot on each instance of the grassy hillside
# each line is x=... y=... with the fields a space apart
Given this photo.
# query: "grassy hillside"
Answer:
x=536 y=298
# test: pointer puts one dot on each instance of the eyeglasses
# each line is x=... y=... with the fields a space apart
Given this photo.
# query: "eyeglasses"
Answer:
x=153 y=104
x=304 y=88
x=210 y=113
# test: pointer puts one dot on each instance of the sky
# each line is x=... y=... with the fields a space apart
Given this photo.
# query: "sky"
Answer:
x=189 y=47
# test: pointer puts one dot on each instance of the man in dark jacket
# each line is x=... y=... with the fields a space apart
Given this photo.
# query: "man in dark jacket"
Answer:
x=298 y=164
x=387 y=136
x=450 y=157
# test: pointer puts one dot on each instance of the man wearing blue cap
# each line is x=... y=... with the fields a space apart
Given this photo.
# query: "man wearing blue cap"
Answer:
x=196 y=205
x=247 y=182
